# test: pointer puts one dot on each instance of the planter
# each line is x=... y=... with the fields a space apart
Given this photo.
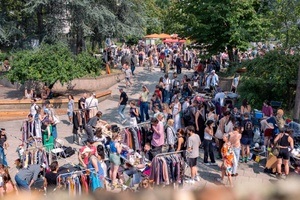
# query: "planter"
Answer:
x=241 y=70
x=90 y=84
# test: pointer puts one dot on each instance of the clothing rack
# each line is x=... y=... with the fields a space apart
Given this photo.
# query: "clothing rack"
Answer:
x=140 y=124
x=73 y=173
x=169 y=153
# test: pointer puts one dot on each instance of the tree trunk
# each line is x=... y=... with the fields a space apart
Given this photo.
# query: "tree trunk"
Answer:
x=230 y=53
x=296 y=112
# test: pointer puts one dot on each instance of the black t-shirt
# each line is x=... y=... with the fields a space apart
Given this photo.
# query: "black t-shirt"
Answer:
x=248 y=128
x=51 y=179
x=125 y=98
x=82 y=99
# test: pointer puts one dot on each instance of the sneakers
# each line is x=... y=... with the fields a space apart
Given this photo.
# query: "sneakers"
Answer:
x=123 y=121
x=197 y=178
x=213 y=164
x=220 y=180
x=190 y=181
x=207 y=164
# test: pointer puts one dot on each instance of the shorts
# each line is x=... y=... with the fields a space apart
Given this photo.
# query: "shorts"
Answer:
x=246 y=141
x=70 y=114
x=127 y=79
x=115 y=159
x=284 y=154
x=192 y=162
x=268 y=132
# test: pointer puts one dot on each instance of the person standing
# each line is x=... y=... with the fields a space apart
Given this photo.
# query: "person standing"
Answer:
x=176 y=109
x=33 y=107
x=128 y=73
x=247 y=137
x=285 y=141
x=133 y=62
x=228 y=159
x=122 y=105
x=144 y=107
x=91 y=104
x=171 y=139
x=167 y=88
x=158 y=137
x=193 y=144
x=47 y=136
x=208 y=146
x=70 y=109
x=83 y=112
x=235 y=140
x=114 y=157
x=50 y=180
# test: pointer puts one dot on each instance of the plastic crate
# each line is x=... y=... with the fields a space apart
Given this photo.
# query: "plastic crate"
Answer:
x=276 y=104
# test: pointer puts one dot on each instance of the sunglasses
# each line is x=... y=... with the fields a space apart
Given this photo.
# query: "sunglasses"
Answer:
x=144 y=184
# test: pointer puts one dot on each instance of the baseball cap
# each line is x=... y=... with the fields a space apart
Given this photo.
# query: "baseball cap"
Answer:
x=86 y=150
x=43 y=165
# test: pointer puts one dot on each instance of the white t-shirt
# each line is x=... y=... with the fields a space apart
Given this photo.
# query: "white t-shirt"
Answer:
x=33 y=109
x=167 y=83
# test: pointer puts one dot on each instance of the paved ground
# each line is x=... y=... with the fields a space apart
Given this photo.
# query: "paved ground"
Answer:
x=248 y=173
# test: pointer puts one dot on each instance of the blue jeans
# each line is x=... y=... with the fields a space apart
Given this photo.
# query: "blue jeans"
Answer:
x=236 y=152
x=144 y=107
x=121 y=111
x=54 y=131
x=166 y=97
x=22 y=184
x=208 y=150
x=2 y=157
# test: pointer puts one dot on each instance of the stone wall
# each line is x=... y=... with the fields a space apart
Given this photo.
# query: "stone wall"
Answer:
x=91 y=84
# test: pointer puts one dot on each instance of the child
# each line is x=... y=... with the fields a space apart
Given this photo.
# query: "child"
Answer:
x=228 y=158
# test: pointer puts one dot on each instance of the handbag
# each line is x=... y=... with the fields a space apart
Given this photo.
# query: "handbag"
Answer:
x=56 y=119
x=276 y=148
x=219 y=134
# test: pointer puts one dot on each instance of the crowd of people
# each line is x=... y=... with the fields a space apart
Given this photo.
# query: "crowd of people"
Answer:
x=184 y=115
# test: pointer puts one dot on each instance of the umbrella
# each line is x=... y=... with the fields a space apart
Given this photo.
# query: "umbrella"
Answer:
x=164 y=36
x=152 y=36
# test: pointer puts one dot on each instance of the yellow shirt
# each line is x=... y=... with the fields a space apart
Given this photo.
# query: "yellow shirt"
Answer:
x=144 y=96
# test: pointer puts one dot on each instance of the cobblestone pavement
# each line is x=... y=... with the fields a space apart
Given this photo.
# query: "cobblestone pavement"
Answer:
x=248 y=173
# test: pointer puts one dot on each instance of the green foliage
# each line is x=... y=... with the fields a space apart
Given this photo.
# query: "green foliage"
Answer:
x=220 y=23
x=272 y=77
x=3 y=56
x=51 y=63
x=285 y=15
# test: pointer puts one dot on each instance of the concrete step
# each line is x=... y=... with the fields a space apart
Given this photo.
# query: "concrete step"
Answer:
x=14 y=109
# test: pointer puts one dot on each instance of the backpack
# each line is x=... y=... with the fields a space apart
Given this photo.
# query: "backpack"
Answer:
x=248 y=126
x=187 y=113
x=176 y=83
x=126 y=98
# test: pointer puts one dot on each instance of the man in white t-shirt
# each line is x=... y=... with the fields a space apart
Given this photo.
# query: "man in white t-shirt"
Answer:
x=91 y=104
x=33 y=107
x=167 y=88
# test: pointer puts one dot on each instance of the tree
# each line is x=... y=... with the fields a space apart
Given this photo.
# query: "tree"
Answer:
x=296 y=112
x=51 y=63
x=272 y=77
x=221 y=24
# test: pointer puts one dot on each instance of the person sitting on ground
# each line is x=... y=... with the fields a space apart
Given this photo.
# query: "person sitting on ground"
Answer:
x=29 y=94
x=145 y=185
x=46 y=93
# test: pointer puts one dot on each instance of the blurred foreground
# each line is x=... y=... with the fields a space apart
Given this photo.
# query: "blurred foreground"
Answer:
x=283 y=190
